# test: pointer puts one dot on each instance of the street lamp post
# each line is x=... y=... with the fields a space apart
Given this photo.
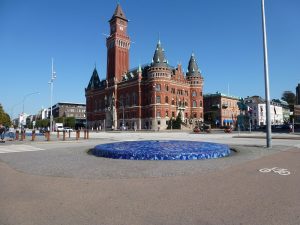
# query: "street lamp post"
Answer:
x=266 y=72
x=53 y=76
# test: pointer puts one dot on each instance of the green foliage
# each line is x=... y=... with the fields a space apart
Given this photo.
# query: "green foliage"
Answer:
x=289 y=97
x=59 y=120
x=66 y=121
x=69 y=122
x=175 y=123
x=42 y=123
x=4 y=117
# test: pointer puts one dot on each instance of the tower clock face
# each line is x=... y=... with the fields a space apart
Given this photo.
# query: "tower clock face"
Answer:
x=121 y=28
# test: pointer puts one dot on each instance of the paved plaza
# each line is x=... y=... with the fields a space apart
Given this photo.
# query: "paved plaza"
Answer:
x=59 y=182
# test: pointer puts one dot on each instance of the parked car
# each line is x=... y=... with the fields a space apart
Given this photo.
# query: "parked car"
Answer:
x=59 y=128
x=68 y=129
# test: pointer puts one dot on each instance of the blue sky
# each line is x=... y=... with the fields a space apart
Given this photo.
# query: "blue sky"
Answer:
x=225 y=36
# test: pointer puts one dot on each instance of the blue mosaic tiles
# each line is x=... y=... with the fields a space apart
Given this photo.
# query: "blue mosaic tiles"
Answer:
x=161 y=150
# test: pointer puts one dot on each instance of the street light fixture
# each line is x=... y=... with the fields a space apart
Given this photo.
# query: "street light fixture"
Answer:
x=24 y=98
x=53 y=76
x=23 y=103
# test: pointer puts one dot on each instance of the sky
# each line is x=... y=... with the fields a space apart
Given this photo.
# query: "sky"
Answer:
x=225 y=36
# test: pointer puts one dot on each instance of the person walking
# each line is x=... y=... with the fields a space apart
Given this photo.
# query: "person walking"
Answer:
x=2 y=132
x=11 y=133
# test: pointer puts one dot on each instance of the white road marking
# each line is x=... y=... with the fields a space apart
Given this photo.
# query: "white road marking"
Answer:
x=18 y=148
x=277 y=170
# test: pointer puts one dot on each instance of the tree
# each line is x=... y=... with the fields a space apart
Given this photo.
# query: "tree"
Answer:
x=176 y=124
x=4 y=117
x=70 y=122
x=289 y=97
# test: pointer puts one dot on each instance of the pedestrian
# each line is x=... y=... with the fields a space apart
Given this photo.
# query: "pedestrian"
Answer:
x=291 y=128
x=11 y=133
x=2 y=133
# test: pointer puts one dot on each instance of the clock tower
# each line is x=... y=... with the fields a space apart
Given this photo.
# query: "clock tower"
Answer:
x=118 y=44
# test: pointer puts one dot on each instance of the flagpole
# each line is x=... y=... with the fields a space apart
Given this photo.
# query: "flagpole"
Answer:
x=266 y=71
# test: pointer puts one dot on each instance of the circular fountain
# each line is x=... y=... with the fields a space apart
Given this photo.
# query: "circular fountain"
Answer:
x=161 y=150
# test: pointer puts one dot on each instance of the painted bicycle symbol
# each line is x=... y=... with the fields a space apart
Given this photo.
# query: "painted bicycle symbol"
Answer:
x=277 y=170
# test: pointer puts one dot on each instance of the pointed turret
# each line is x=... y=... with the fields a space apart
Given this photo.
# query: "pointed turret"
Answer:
x=119 y=13
x=94 y=81
x=193 y=69
x=159 y=56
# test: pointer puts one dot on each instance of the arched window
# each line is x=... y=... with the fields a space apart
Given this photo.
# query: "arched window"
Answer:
x=194 y=93
x=134 y=100
x=121 y=101
x=157 y=87
x=194 y=103
x=166 y=99
x=157 y=99
x=127 y=100
x=173 y=102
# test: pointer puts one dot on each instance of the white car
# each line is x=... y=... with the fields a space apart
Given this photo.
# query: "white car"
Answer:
x=59 y=128
x=68 y=129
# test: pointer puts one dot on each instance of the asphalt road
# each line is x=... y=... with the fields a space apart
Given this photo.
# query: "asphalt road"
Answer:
x=59 y=183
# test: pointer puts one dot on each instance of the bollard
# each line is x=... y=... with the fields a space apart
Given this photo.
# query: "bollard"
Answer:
x=47 y=135
x=64 y=135
x=87 y=134
x=77 y=134
x=57 y=133
x=17 y=135
x=84 y=134
x=33 y=135
x=22 y=137
x=69 y=133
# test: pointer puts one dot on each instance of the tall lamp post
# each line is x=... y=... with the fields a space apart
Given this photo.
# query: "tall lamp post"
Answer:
x=266 y=71
x=53 y=76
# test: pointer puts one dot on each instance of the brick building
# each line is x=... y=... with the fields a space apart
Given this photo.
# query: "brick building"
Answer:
x=145 y=97
x=220 y=109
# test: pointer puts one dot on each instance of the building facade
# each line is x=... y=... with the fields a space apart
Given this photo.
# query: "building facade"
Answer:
x=68 y=109
x=145 y=97
x=279 y=111
x=220 y=109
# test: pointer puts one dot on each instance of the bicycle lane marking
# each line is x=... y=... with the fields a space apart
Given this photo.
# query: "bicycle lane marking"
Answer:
x=280 y=171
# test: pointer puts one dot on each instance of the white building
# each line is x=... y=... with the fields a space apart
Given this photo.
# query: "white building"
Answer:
x=257 y=111
x=43 y=114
